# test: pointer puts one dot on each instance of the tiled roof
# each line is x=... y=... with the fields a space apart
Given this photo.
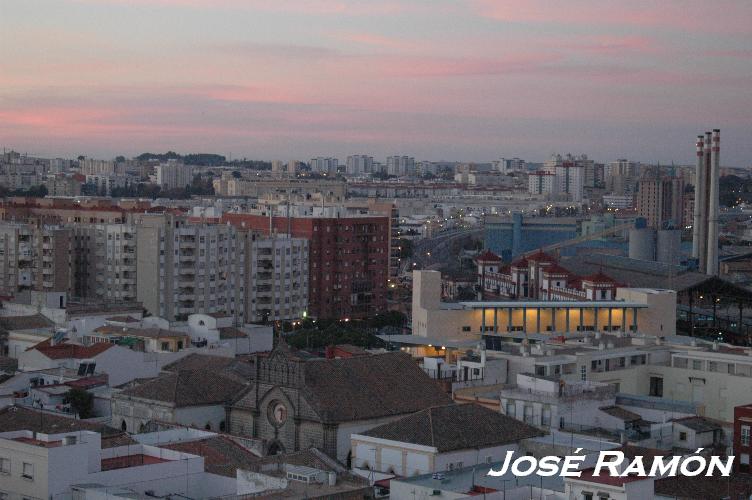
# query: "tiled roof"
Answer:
x=456 y=427
x=352 y=349
x=620 y=413
x=32 y=322
x=312 y=457
x=123 y=319
x=230 y=332
x=599 y=277
x=366 y=387
x=541 y=256
x=521 y=262
x=488 y=256
x=356 y=388
x=555 y=269
x=222 y=455
x=64 y=350
x=237 y=368
x=188 y=388
x=704 y=488
x=699 y=424
x=17 y=418
x=152 y=333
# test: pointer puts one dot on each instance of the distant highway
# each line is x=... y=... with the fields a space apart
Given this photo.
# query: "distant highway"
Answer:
x=432 y=252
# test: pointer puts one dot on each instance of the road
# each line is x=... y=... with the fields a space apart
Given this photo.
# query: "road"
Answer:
x=434 y=251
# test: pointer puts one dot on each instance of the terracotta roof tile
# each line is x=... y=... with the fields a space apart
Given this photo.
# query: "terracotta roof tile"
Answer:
x=35 y=321
x=188 y=388
x=488 y=256
x=65 y=350
x=456 y=427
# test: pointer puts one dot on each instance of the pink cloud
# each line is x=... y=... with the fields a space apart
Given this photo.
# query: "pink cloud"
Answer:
x=725 y=16
x=310 y=7
x=375 y=40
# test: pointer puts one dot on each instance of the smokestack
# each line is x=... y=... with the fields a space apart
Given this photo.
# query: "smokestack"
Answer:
x=697 y=236
x=705 y=208
x=715 y=171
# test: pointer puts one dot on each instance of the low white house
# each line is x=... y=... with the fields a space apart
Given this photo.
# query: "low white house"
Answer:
x=549 y=402
x=121 y=364
x=25 y=332
x=698 y=432
x=438 y=439
x=74 y=465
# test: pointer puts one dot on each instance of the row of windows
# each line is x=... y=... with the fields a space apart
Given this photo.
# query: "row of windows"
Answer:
x=27 y=469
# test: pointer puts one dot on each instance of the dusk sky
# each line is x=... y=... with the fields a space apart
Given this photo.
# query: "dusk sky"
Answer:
x=436 y=79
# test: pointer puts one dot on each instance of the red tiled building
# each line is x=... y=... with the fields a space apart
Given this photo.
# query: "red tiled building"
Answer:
x=349 y=260
x=743 y=437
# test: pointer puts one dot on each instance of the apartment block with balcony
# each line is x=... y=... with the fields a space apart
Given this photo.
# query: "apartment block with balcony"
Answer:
x=105 y=262
x=186 y=268
x=277 y=278
x=348 y=258
x=34 y=258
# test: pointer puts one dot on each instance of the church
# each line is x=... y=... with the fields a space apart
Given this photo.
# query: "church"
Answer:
x=296 y=402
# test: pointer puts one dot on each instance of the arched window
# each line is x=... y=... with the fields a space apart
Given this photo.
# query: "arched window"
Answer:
x=124 y=426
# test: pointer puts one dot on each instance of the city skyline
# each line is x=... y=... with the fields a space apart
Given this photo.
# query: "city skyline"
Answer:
x=436 y=80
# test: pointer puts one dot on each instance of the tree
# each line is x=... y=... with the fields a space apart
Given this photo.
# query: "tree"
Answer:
x=236 y=174
x=81 y=401
x=120 y=159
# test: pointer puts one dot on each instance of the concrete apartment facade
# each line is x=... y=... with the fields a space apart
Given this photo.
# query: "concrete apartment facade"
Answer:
x=34 y=258
x=348 y=259
x=105 y=261
x=187 y=268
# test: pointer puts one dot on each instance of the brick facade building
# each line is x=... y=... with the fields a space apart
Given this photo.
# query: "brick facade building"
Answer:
x=742 y=437
x=348 y=260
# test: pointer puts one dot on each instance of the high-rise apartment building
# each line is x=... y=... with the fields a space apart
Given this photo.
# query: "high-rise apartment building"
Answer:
x=104 y=184
x=620 y=176
x=507 y=165
x=276 y=279
x=359 y=164
x=173 y=175
x=90 y=166
x=541 y=183
x=348 y=258
x=400 y=166
x=34 y=258
x=660 y=199
x=321 y=165
x=570 y=175
x=104 y=261
x=185 y=268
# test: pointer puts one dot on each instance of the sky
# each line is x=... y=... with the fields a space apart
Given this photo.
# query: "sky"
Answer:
x=467 y=80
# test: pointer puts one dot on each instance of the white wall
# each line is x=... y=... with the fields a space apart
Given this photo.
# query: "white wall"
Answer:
x=344 y=431
x=468 y=458
x=198 y=416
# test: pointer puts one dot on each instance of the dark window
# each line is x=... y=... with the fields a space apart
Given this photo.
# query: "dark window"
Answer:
x=656 y=387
